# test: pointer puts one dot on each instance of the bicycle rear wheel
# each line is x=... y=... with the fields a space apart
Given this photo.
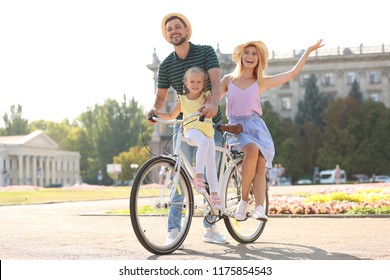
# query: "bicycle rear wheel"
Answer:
x=249 y=230
x=157 y=204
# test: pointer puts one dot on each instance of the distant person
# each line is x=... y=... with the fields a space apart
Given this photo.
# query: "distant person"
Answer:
x=275 y=170
x=337 y=174
x=282 y=171
x=316 y=175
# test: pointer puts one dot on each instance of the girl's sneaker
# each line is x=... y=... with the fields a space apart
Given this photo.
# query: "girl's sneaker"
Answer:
x=259 y=214
x=216 y=201
x=199 y=185
x=240 y=213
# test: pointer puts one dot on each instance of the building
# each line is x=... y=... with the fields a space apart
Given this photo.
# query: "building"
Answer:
x=35 y=159
x=335 y=69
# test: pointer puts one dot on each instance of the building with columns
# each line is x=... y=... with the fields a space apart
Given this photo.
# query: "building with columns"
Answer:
x=335 y=70
x=35 y=159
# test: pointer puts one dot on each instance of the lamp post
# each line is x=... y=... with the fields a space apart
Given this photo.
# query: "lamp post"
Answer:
x=134 y=168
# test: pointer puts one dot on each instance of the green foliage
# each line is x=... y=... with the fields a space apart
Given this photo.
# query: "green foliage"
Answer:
x=273 y=122
x=15 y=124
x=312 y=137
x=355 y=91
x=107 y=130
x=135 y=155
x=313 y=103
x=364 y=210
x=64 y=132
x=355 y=137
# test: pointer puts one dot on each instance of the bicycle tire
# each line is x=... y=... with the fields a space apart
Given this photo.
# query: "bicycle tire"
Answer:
x=249 y=230
x=150 y=203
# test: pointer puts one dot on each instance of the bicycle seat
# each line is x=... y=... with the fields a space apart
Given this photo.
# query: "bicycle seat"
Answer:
x=231 y=128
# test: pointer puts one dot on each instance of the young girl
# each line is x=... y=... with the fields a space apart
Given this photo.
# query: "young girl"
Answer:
x=201 y=134
x=242 y=89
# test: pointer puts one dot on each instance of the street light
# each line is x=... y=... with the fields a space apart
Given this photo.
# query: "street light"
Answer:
x=134 y=167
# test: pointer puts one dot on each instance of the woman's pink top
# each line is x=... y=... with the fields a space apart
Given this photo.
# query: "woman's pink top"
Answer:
x=243 y=102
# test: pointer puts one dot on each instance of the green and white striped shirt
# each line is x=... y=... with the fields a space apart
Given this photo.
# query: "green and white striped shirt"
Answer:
x=172 y=69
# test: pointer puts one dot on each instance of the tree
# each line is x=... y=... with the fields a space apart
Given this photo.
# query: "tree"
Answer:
x=371 y=128
x=64 y=132
x=355 y=91
x=312 y=105
x=290 y=152
x=108 y=130
x=273 y=122
x=338 y=140
x=135 y=155
x=15 y=124
x=356 y=136
x=312 y=140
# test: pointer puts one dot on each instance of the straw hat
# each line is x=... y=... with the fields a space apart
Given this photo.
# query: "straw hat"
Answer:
x=263 y=55
x=180 y=16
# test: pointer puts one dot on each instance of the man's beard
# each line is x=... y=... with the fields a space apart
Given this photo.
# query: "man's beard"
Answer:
x=178 y=43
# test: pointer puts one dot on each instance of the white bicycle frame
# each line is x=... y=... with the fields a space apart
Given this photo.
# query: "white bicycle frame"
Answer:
x=227 y=161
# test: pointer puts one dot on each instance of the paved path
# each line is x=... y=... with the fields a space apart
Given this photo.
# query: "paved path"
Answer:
x=62 y=231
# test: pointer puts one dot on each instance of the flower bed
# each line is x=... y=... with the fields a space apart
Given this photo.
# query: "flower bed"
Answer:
x=350 y=200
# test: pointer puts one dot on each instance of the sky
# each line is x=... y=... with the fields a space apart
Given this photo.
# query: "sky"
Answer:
x=60 y=58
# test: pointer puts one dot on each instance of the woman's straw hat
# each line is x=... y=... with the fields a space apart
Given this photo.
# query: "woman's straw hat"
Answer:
x=263 y=55
x=180 y=16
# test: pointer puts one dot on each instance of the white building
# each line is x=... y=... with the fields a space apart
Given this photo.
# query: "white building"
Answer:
x=35 y=159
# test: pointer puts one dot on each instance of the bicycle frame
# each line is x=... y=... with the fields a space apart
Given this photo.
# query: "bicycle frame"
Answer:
x=182 y=161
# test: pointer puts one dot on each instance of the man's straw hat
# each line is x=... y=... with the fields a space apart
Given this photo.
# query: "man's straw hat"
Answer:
x=263 y=55
x=181 y=17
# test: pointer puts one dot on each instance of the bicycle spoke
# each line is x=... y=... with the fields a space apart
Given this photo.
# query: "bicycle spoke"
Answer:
x=250 y=229
x=157 y=204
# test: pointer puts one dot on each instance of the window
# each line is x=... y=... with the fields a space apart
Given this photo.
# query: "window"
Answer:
x=374 y=77
x=304 y=79
x=375 y=96
x=328 y=81
x=286 y=103
x=351 y=77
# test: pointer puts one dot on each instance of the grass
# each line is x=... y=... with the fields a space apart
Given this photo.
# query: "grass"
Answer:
x=370 y=211
x=50 y=195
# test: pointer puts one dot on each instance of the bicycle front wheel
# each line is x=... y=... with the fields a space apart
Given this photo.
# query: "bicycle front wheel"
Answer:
x=249 y=230
x=160 y=201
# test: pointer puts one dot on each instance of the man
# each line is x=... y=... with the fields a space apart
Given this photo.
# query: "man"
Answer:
x=177 y=31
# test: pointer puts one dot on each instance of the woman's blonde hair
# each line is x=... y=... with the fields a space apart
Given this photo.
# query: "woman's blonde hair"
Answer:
x=262 y=53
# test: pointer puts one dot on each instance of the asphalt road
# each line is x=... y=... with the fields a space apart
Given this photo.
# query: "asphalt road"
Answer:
x=78 y=231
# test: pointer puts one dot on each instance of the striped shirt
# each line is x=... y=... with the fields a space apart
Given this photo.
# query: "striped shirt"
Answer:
x=172 y=69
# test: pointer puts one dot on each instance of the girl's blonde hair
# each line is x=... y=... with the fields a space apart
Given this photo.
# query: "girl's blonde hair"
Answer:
x=196 y=70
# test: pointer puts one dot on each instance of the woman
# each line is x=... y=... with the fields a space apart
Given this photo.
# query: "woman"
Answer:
x=242 y=88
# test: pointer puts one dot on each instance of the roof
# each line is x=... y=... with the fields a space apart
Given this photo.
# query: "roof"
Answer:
x=35 y=138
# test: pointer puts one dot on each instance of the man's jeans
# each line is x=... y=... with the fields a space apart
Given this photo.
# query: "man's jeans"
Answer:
x=174 y=215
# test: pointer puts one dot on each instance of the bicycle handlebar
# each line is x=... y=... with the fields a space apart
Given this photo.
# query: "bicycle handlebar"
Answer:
x=154 y=118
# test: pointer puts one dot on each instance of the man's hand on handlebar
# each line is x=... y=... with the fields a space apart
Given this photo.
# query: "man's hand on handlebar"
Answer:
x=152 y=113
x=208 y=110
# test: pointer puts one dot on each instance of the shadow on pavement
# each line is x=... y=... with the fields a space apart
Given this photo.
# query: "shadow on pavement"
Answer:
x=268 y=251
